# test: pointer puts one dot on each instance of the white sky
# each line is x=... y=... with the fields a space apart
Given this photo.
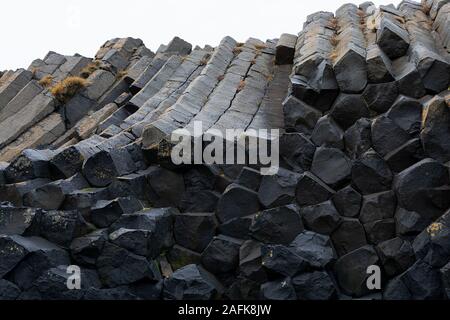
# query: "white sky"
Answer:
x=29 y=29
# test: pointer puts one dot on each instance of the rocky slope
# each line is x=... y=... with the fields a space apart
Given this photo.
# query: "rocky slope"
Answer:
x=362 y=99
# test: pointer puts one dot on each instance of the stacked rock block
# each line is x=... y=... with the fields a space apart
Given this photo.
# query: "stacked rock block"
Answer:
x=32 y=117
x=361 y=100
x=99 y=200
x=361 y=141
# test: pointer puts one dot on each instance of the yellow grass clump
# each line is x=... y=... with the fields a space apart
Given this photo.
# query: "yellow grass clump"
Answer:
x=63 y=91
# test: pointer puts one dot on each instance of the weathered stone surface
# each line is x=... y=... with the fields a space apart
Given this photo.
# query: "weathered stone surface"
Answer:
x=310 y=190
x=314 y=248
x=251 y=261
x=348 y=108
x=299 y=116
x=117 y=266
x=279 y=189
x=351 y=270
x=371 y=174
x=190 y=283
x=282 y=260
x=349 y=235
x=86 y=249
x=158 y=222
x=322 y=218
x=387 y=136
x=18 y=220
x=358 y=138
x=277 y=226
x=417 y=188
x=222 y=255
x=278 y=290
x=379 y=68
x=348 y=202
x=380 y=97
x=8 y=290
x=51 y=196
x=328 y=133
x=101 y=168
x=396 y=255
x=317 y=285
x=195 y=230
x=332 y=166
x=435 y=130
x=297 y=151
x=378 y=206
x=236 y=202
x=392 y=39
x=285 y=49
x=407 y=114
x=419 y=282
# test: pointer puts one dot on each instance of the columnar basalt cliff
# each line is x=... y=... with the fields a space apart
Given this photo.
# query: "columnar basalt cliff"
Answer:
x=362 y=100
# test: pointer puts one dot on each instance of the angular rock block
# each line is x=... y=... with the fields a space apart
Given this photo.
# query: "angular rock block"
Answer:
x=351 y=270
x=14 y=193
x=52 y=195
x=158 y=222
x=277 y=226
x=316 y=249
x=387 y=136
x=86 y=249
x=371 y=174
x=297 y=151
x=392 y=39
x=104 y=212
x=18 y=221
x=279 y=189
x=332 y=166
x=101 y=168
x=419 y=188
x=327 y=133
x=358 y=138
x=285 y=49
x=349 y=236
x=310 y=190
x=282 y=260
x=396 y=255
x=435 y=131
x=322 y=218
x=237 y=201
x=117 y=266
x=318 y=90
x=278 y=290
x=379 y=67
x=221 y=255
x=299 y=116
x=191 y=283
x=348 y=202
x=351 y=69
x=380 y=96
x=195 y=230
x=316 y=286
x=347 y=109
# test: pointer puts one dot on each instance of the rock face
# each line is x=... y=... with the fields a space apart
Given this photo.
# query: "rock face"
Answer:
x=361 y=98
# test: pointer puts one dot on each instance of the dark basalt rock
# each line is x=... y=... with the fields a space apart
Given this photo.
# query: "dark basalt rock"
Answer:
x=195 y=230
x=282 y=260
x=117 y=266
x=278 y=290
x=351 y=270
x=279 y=189
x=317 y=285
x=348 y=202
x=277 y=226
x=311 y=191
x=321 y=218
x=221 y=255
x=237 y=201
